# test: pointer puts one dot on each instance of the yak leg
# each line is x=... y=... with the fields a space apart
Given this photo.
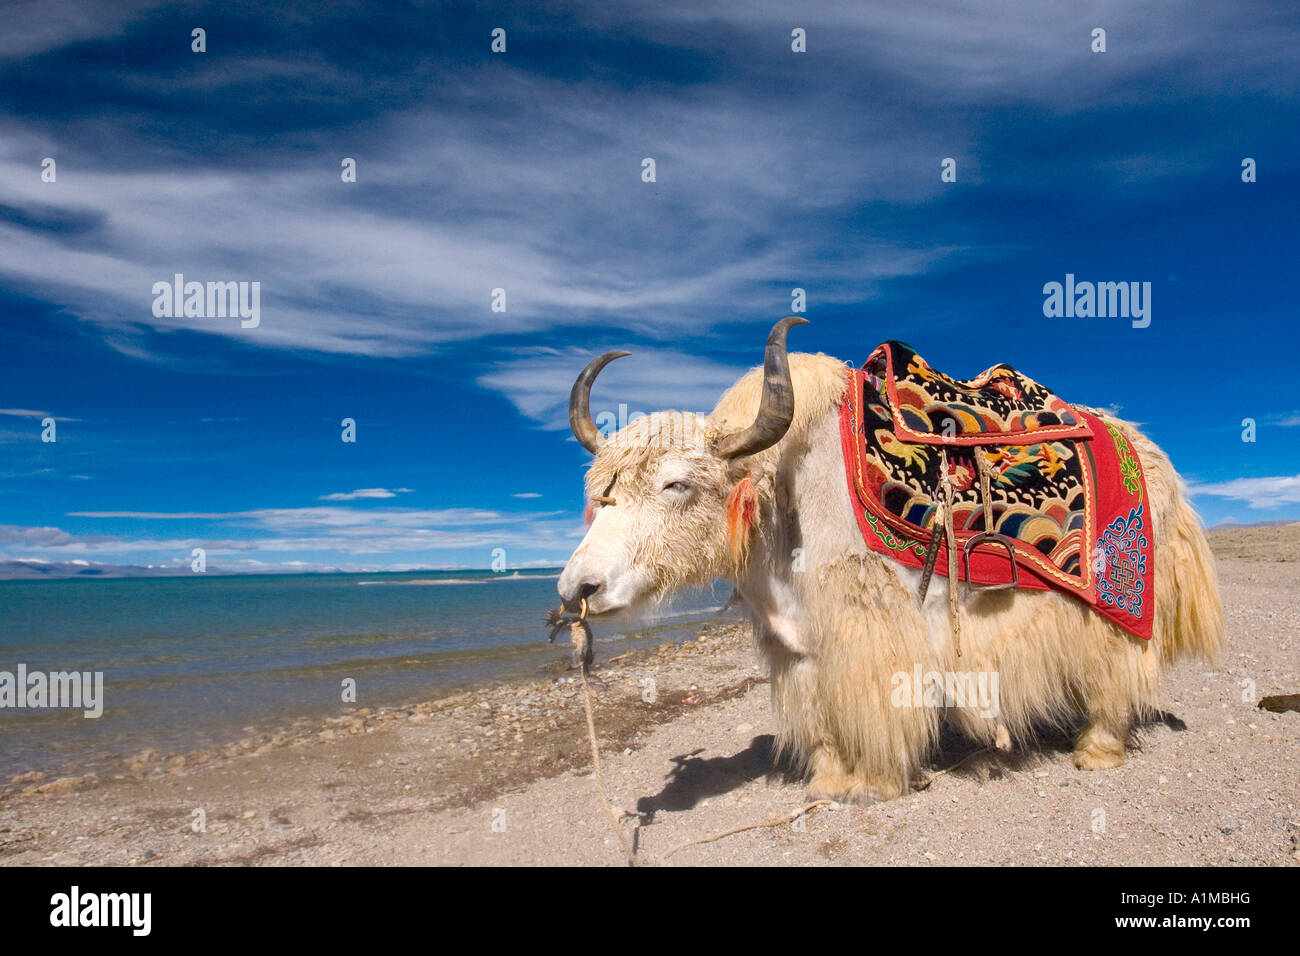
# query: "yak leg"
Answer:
x=1119 y=685
x=1101 y=745
x=832 y=780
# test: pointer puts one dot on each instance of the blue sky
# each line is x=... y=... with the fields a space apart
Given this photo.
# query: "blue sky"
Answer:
x=522 y=171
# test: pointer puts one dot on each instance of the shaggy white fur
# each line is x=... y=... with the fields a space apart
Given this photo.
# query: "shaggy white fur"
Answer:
x=836 y=622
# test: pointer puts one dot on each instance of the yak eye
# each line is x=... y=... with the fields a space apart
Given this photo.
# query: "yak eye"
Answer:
x=677 y=486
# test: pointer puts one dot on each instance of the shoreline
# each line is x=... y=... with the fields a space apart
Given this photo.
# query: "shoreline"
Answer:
x=520 y=706
x=229 y=735
x=502 y=777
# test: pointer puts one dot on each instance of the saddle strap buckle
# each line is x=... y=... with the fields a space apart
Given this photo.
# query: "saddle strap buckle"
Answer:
x=991 y=537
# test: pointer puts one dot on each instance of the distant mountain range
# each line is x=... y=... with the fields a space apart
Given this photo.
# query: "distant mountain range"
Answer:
x=1254 y=524
x=56 y=570
x=43 y=570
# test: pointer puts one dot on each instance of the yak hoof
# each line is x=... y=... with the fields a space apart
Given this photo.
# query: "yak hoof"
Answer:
x=1098 y=749
x=1002 y=739
x=842 y=788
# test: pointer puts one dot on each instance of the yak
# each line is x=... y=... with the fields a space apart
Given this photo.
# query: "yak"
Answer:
x=755 y=493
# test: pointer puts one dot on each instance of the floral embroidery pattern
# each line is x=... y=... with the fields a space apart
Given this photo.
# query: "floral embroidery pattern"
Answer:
x=1129 y=470
x=897 y=542
x=1122 y=563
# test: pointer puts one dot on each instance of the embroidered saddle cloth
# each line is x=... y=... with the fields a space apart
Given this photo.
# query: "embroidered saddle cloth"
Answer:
x=1066 y=487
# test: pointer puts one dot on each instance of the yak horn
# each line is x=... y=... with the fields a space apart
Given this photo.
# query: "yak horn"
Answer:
x=776 y=407
x=584 y=429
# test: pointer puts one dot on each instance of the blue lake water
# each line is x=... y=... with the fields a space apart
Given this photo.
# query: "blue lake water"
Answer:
x=190 y=661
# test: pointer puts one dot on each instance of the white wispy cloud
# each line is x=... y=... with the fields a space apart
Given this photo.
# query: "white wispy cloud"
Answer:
x=1260 y=493
x=324 y=517
x=34 y=26
x=363 y=493
x=538 y=382
x=33 y=413
x=456 y=208
x=320 y=531
x=56 y=540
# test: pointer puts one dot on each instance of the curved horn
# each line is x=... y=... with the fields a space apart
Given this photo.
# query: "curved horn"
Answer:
x=776 y=407
x=584 y=429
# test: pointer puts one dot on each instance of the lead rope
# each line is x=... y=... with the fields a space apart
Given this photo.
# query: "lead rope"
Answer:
x=581 y=632
x=1001 y=737
x=950 y=536
x=986 y=493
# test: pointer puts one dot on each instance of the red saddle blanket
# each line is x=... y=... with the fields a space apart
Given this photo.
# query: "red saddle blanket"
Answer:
x=1067 y=488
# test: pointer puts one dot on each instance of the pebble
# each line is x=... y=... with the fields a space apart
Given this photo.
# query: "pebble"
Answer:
x=63 y=784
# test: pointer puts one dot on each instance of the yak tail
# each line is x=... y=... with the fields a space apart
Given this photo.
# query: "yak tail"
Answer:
x=1193 y=621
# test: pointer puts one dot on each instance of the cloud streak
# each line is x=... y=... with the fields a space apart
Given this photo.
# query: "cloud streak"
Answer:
x=319 y=531
x=448 y=206
x=1258 y=493
x=363 y=493
x=538 y=382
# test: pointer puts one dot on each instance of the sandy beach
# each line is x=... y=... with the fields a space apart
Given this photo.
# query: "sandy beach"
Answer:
x=502 y=775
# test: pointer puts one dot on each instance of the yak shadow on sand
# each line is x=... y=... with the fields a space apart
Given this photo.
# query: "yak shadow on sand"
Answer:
x=963 y=754
x=693 y=778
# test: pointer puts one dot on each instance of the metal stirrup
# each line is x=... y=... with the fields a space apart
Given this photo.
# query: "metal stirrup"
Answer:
x=992 y=537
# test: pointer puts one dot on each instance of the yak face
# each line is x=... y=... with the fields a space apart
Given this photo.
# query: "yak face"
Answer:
x=657 y=496
x=671 y=503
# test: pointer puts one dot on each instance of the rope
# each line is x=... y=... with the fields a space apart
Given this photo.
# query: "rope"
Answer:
x=774 y=822
x=950 y=535
x=986 y=492
x=939 y=773
x=595 y=753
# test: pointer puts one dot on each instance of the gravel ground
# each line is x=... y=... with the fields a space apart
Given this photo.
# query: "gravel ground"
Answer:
x=501 y=775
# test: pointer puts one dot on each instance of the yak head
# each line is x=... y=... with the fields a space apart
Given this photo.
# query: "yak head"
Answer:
x=671 y=498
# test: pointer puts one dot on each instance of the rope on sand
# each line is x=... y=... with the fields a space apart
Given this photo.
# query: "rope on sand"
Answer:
x=939 y=773
x=774 y=822
x=595 y=760
x=791 y=817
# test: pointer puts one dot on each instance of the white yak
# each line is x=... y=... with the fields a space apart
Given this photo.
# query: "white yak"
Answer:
x=836 y=621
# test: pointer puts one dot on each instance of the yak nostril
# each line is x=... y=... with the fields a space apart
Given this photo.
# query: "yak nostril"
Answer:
x=573 y=595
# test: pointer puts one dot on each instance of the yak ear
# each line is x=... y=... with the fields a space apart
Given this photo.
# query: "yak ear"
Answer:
x=742 y=518
x=738 y=468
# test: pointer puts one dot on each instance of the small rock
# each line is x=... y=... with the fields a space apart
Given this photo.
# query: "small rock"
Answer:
x=63 y=784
